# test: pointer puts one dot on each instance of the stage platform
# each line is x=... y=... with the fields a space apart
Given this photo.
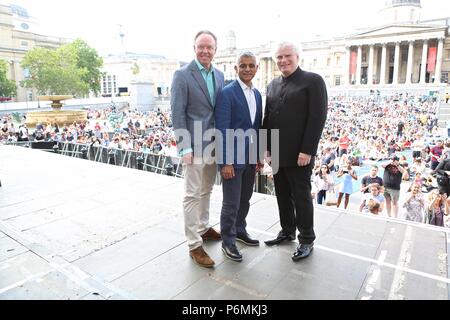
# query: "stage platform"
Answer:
x=75 y=229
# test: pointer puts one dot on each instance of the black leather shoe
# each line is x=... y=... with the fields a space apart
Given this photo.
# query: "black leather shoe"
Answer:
x=231 y=252
x=245 y=239
x=303 y=251
x=280 y=238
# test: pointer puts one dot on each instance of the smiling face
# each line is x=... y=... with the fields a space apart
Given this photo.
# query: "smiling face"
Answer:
x=205 y=49
x=246 y=69
x=287 y=60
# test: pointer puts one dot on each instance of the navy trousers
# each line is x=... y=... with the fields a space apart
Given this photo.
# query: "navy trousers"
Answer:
x=237 y=193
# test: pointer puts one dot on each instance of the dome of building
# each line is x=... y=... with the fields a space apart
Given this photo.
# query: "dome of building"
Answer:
x=401 y=11
x=231 y=40
x=231 y=34
x=398 y=3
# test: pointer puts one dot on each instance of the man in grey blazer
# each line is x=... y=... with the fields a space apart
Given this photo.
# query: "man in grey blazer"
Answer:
x=193 y=94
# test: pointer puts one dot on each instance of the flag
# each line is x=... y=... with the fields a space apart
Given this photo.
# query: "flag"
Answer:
x=432 y=52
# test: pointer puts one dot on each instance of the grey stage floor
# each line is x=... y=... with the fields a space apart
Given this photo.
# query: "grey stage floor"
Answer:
x=74 y=229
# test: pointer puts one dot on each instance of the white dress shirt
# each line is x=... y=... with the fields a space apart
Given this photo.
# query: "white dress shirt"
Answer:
x=251 y=99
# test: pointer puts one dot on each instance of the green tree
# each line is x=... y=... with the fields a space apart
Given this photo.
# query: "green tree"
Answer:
x=7 y=87
x=89 y=60
x=71 y=69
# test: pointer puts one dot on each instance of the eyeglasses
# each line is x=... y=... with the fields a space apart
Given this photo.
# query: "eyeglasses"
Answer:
x=208 y=48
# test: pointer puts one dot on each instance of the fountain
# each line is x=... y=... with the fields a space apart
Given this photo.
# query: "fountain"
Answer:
x=61 y=117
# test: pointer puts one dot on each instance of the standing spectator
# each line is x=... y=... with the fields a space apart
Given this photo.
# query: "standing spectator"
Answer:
x=392 y=178
x=297 y=106
x=438 y=208
x=414 y=204
x=323 y=181
x=348 y=174
x=193 y=97
x=344 y=143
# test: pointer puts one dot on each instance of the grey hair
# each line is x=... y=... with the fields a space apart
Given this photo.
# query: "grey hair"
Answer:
x=287 y=44
x=246 y=54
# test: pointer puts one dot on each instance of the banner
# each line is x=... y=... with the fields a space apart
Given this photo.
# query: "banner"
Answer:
x=432 y=53
x=353 y=57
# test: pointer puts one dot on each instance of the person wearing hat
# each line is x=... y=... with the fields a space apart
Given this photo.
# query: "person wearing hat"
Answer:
x=393 y=173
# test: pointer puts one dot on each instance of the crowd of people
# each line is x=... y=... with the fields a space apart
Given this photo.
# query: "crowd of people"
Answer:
x=397 y=134
x=147 y=132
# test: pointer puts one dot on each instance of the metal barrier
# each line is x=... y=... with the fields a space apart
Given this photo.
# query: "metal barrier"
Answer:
x=155 y=163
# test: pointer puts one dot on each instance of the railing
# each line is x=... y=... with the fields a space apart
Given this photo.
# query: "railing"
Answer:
x=160 y=164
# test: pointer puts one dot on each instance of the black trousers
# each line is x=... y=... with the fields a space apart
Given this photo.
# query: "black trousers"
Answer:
x=295 y=205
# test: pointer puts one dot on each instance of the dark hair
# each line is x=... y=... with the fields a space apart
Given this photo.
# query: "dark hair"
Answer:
x=320 y=170
x=205 y=32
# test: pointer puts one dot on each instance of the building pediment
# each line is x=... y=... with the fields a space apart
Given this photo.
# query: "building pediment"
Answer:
x=397 y=33
x=394 y=30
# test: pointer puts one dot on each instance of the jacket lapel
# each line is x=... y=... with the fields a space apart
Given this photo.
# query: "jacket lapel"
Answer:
x=200 y=80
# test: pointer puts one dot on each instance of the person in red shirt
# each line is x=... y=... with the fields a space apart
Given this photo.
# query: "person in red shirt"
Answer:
x=344 y=143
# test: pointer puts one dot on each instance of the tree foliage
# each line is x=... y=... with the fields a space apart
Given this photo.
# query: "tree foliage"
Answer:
x=89 y=60
x=8 y=88
x=71 y=69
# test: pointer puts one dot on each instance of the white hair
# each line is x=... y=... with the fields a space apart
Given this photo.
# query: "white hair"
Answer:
x=286 y=44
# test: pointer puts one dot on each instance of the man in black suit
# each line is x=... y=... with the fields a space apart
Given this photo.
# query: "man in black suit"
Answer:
x=297 y=105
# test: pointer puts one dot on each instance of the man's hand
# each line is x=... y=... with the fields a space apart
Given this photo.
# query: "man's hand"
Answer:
x=188 y=158
x=303 y=160
x=259 y=167
x=228 y=172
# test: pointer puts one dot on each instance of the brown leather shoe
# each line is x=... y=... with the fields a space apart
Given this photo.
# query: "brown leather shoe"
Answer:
x=212 y=235
x=200 y=256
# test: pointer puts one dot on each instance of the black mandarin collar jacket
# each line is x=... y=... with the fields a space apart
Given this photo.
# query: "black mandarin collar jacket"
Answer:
x=297 y=106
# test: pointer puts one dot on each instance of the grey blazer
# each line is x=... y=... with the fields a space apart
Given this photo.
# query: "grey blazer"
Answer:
x=190 y=103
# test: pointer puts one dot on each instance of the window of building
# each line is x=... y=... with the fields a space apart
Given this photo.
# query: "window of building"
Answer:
x=444 y=77
x=337 y=80
x=338 y=60
x=364 y=57
x=315 y=62
x=447 y=54
x=328 y=62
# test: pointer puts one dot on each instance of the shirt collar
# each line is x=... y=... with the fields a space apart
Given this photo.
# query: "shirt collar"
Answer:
x=201 y=67
x=243 y=85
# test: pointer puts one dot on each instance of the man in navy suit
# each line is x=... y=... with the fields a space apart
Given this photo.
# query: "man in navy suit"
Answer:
x=238 y=118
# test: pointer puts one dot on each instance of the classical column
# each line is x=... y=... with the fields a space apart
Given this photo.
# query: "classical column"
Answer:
x=437 y=73
x=383 y=65
x=410 y=62
x=370 y=71
x=358 y=66
x=347 y=66
x=396 y=62
x=423 y=68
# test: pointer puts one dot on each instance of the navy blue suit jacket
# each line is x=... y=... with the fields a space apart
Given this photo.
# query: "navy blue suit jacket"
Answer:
x=232 y=112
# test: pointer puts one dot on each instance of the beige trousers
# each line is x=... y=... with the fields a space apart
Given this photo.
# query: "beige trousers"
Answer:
x=199 y=181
